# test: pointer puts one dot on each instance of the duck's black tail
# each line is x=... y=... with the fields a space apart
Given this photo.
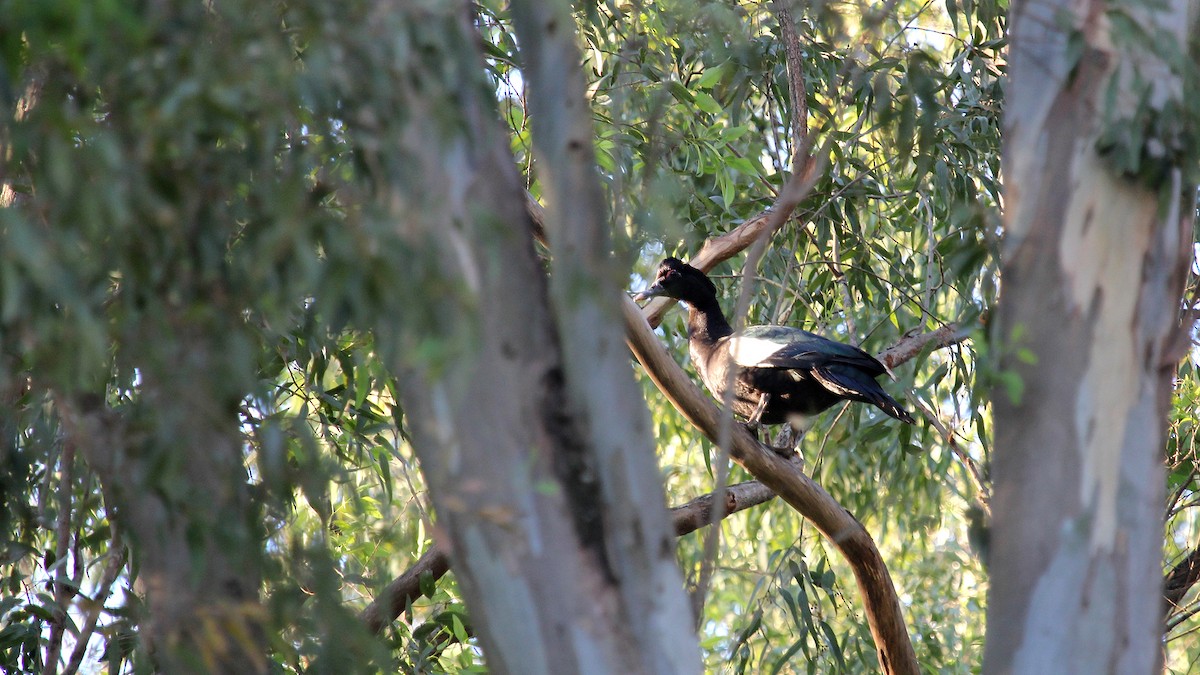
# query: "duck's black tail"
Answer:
x=851 y=383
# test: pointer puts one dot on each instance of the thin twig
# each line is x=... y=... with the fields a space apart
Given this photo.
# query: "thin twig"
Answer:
x=117 y=554
x=983 y=496
x=62 y=533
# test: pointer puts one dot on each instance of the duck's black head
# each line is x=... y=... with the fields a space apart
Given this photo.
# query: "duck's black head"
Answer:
x=679 y=280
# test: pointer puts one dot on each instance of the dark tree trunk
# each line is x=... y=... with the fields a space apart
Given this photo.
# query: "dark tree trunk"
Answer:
x=172 y=465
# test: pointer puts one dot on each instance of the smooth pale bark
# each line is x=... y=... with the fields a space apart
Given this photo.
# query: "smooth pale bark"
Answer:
x=1093 y=269
x=586 y=284
x=558 y=539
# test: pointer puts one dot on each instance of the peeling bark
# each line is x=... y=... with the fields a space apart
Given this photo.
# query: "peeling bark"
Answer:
x=1093 y=274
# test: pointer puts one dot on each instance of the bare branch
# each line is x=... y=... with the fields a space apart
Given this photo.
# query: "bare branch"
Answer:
x=686 y=518
x=983 y=495
x=396 y=596
x=62 y=534
x=117 y=555
x=697 y=513
x=908 y=348
x=796 y=89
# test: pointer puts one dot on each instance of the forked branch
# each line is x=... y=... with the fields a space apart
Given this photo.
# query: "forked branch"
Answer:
x=785 y=477
x=686 y=518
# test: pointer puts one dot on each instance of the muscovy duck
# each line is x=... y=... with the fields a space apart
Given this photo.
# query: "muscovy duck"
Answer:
x=785 y=375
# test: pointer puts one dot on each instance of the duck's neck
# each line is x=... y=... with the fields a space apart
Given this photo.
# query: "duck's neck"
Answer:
x=706 y=324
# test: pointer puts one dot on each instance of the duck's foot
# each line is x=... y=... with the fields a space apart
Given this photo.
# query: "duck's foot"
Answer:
x=754 y=424
x=753 y=427
x=783 y=449
x=787 y=442
x=759 y=409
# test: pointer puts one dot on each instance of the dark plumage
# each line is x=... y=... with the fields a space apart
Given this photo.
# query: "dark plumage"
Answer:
x=801 y=372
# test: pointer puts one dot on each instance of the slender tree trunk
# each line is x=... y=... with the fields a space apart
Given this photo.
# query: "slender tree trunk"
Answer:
x=172 y=465
x=559 y=578
x=1093 y=266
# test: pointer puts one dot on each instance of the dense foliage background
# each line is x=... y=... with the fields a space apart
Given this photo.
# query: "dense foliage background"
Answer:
x=191 y=229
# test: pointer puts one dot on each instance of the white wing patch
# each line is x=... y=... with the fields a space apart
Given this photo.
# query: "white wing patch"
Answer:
x=751 y=351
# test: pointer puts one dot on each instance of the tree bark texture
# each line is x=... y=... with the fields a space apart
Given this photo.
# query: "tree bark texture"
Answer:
x=1093 y=270
x=561 y=547
x=587 y=284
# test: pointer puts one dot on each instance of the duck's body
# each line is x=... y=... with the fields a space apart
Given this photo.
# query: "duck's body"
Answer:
x=799 y=373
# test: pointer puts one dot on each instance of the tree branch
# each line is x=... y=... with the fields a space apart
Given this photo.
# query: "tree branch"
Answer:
x=58 y=622
x=116 y=561
x=396 y=596
x=696 y=514
x=785 y=477
x=909 y=347
x=798 y=93
x=1179 y=580
x=686 y=518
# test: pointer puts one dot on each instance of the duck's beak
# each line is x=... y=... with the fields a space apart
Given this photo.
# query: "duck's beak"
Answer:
x=651 y=292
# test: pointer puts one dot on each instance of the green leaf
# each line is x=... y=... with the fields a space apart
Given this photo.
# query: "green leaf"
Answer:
x=832 y=642
x=710 y=77
x=707 y=103
x=680 y=92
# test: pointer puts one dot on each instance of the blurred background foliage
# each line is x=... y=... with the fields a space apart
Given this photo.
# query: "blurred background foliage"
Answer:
x=185 y=173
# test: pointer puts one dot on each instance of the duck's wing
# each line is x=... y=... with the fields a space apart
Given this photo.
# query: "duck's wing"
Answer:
x=853 y=383
x=787 y=347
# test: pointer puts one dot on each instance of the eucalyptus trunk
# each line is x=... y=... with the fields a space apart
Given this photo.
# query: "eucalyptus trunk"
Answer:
x=1094 y=258
x=544 y=480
